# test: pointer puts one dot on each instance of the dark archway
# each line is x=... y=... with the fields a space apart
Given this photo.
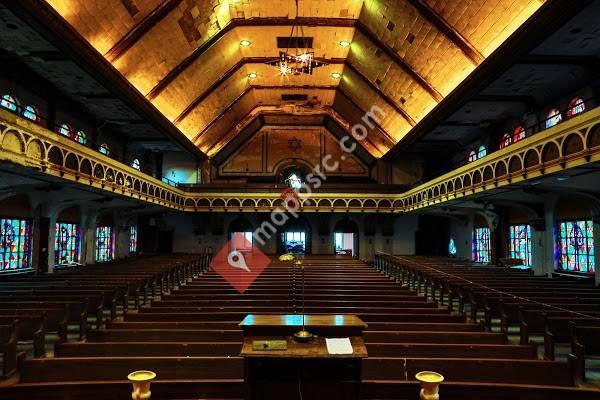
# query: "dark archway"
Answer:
x=345 y=230
x=299 y=224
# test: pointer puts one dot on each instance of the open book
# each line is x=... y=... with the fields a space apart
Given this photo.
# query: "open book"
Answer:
x=339 y=346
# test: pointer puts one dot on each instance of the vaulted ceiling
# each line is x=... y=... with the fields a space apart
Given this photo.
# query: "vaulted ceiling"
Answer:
x=185 y=57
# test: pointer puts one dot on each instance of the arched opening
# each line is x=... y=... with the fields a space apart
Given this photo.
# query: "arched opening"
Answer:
x=295 y=237
x=240 y=233
x=345 y=237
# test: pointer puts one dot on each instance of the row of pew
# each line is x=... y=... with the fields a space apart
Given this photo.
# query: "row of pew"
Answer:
x=562 y=309
x=35 y=308
x=189 y=335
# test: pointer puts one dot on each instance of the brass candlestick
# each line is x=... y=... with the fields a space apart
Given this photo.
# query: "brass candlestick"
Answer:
x=303 y=335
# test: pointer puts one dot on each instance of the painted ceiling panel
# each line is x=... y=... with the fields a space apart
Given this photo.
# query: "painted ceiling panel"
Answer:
x=405 y=57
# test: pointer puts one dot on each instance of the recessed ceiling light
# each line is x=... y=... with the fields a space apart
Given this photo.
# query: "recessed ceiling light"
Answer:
x=336 y=75
x=245 y=43
x=344 y=43
x=252 y=75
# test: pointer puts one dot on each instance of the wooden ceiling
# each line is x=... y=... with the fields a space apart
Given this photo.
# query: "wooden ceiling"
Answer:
x=185 y=57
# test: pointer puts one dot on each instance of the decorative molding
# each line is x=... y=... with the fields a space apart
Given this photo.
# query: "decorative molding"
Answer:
x=572 y=143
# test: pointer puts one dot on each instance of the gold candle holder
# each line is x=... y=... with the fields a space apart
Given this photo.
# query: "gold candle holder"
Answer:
x=141 y=381
x=430 y=384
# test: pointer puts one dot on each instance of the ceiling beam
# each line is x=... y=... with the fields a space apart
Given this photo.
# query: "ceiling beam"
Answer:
x=381 y=94
x=239 y=22
x=448 y=30
x=228 y=74
x=390 y=141
x=545 y=21
x=393 y=55
x=140 y=29
x=43 y=18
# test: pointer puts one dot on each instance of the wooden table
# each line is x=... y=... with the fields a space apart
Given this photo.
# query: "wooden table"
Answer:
x=277 y=374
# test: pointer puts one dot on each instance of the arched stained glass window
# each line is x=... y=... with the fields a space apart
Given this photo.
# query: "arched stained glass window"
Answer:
x=520 y=243
x=104 y=149
x=104 y=244
x=576 y=106
x=472 y=156
x=31 y=113
x=9 y=102
x=481 y=245
x=506 y=141
x=135 y=164
x=66 y=243
x=65 y=130
x=518 y=134
x=554 y=118
x=294 y=181
x=452 y=247
x=481 y=152
x=133 y=235
x=15 y=244
x=81 y=137
x=576 y=246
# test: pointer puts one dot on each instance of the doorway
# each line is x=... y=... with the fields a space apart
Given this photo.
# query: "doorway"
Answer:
x=294 y=242
x=344 y=244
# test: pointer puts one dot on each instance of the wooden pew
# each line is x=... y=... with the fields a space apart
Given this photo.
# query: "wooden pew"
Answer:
x=30 y=328
x=8 y=348
x=585 y=342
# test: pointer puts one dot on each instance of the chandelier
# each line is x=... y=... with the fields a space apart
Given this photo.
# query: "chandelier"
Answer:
x=299 y=56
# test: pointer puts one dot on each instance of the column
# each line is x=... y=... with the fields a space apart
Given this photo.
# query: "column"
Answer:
x=549 y=243
x=88 y=236
x=538 y=249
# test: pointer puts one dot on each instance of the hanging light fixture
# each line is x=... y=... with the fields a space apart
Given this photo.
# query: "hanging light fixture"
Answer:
x=299 y=56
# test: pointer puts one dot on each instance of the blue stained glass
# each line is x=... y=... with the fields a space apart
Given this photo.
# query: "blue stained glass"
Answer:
x=554 y=118
x=66 y=243
x=133 y=234
x=31 y=113
x=9 y=102
x=15 y=244
x=520 y=243
x=104 y=149
x=104 y=244
x=452 y=247
x=481 y=245
x=575 y=246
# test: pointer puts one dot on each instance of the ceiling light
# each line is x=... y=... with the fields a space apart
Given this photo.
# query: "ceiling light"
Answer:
x=336 y=75
x=344 y=43
x=245 y=43
x=252 y=75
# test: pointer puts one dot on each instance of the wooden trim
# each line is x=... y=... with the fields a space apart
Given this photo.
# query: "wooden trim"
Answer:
x=448 y=30
x=140 y=29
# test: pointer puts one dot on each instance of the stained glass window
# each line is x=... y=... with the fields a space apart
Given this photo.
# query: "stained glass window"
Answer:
x=104 y=149
x=520 y=243
x=506 y=141
x=104 y=244
x=15 y=244
x=481 y=245
x=294 y=181
x=9 y=102
x=554 y=118
x=575 y=244
x=66 y=243
x=31 y=113
x=452 y=247
x=481 y=152
x=81 y=137
x=133 y=234
x=576 y=106
x=472 y=156
x=65 y=130
x=518 y=134
x=135 y=164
